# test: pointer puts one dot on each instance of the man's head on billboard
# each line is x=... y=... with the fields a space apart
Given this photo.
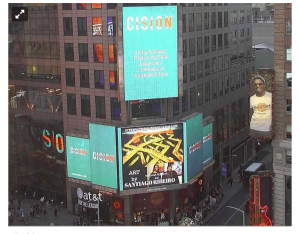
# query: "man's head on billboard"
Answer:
x=258 y=82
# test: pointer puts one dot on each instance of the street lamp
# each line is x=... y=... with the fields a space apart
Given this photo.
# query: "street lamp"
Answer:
x=240 y=211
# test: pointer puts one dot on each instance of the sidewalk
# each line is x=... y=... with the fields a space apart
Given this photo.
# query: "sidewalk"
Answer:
x=264 y=156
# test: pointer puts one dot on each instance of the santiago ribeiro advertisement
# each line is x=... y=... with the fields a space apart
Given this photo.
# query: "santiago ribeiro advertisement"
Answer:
x=78 y=158
x=194 y=147
x=150 y=52
x=103 y=155
x=207 y=144
x=151 y=156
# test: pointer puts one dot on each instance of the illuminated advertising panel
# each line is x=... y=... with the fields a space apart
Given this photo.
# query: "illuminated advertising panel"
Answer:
x=78 y=158
x=97 y=26
x=150 y=52
x=193 y=131
x=103 y=155
x=151 y=156
x=207 y=144
x=261 y=103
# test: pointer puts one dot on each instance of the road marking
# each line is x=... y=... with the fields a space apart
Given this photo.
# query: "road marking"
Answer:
x=235 y=212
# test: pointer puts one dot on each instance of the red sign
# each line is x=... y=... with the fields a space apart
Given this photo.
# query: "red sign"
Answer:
x=117 y=203
x=151 y=201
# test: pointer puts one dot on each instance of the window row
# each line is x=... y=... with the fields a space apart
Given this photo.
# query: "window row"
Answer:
x=35 y=99
x=97 y=52
x=239 y=16
x=204 y=21
x=201 y=4
x=99 y=78
x=83 y=6
x=34 y=49
x=82 y=27
x=206 y=44
x=99 y=105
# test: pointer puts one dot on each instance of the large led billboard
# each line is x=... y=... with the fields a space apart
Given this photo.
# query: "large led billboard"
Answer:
x=78 y=158
x=193 y=132
x=103 y=155
x=207 y=144
x=150 y=52
x=261 y=103
x=151 y=156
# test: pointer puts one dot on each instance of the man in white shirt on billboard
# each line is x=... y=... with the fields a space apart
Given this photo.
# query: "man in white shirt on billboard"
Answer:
x=260 y=109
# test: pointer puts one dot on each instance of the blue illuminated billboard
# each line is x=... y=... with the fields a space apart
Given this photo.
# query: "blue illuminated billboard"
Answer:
x=150 y=52
x=78 y=158
x=207 y=144
x=193 y=136
x=103 y=155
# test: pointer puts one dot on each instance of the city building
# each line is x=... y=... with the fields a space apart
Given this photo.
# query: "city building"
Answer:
x=282 y=142
x=64 y=76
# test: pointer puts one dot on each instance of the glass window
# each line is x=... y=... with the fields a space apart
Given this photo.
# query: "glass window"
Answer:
x=207 y=91
x=84 y=78
x=100 y=107
x=243 y=78
x=200 y=94
x=220 y=41
x=199 y=69
x=226 y=84
x=67 y=6
x=184 y=48
x=191 y=22
x=213 y=42
x=97 y=26
x=85 y=105
x=206 y=21
x=192 y=71
x=112 y=53
x=111 y=26
x=98 y=53
x=184 y=23
x=220 y=86
x=99 y=79
x=226 y=61
x=175 y=106
x=232 y=79
x=237 y=80
x=146 y=108
x=199 y=21
x=206 y=44
x=207 y=67
x=199 y=45
x=288 y=131
x=70 y=77
x=185 y=101
x=96 y=5
x=288 y=27
x=113 y=83
x=289 y=106
x=220 y=20
x=81 y=6
x=226 y=44
x=82 y=26
x=214 y=89
x=225 y=19
x=192 y=47
x=289 y=53
x=69 y=52
x=184 y=73
x=115 y=109
x=213 y=20
x=71 y=103
x=288 y=77
x=220 y=59
x=83 y=52
x=288 y=5
x=214 y=65
x=111 y=5
x=68 y=26
x=193 y=97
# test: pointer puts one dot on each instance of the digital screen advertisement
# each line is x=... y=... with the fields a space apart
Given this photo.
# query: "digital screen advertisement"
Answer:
x=78 y=158
x=193 y=131
x=151 y=156
x=261 y=103
x=150 y=52
x=207 y=144
x=103 y=155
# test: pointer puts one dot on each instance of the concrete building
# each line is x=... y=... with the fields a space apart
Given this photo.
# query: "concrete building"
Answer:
x=282 y=142
x=80 y=86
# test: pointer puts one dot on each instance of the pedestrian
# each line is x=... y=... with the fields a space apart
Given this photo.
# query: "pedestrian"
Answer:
x=74 y=222
x=38 y=213
x=19 y=201
x=44 y=212
x=77 y=222
x=55 y=212
x=230 y=179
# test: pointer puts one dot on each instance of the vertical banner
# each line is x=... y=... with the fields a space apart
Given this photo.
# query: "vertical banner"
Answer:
x=103 y=155
x=151 y=156
x=150 y=52
x=78 y=158
x=193 y=129
x=207 y=144
x=261 y=103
